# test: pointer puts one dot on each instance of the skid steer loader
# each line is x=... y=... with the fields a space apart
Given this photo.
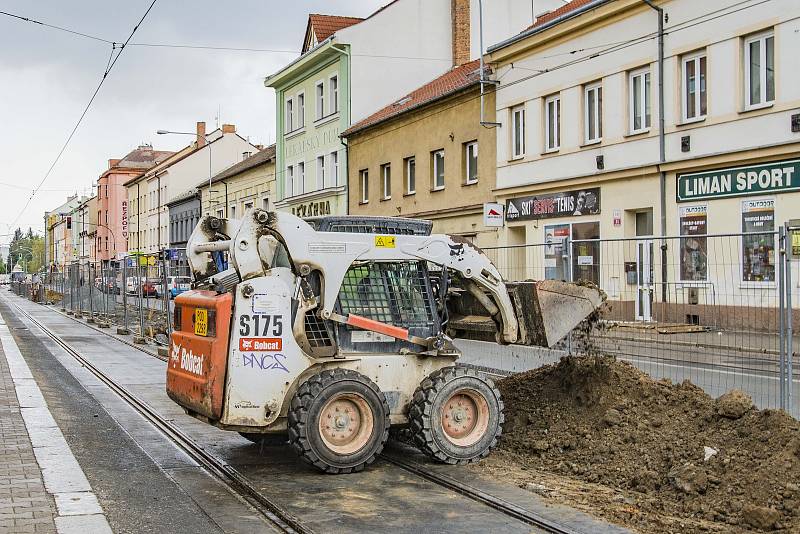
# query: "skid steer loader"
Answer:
x=335 y=329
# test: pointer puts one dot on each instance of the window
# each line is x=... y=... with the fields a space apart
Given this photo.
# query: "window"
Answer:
x=289 y=119
x=693 y=222
x=694 y=87
x=517 y=132
x=759 y=70
x=411 y=175
x=220 y=213
x=301 y=177
x=265 y=204
x=758 y=250
x=290 y=186
x=593 y=112
x=363 y=176
x=437 y=167
x=639 y=90
x=585 y=263
x=232 y=212
x=552 y=123
x=471 y=163
x=386 y=179
x=334 y=159
x=248 y=205
x=301 y=110
x=320 y=172
x=333 y=91
x=320 y=89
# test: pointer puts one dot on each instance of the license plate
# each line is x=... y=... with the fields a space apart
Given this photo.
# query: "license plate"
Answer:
x=201 y=322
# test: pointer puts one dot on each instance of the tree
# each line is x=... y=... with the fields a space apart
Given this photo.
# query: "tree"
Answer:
x=26 y=249
x=2 y=265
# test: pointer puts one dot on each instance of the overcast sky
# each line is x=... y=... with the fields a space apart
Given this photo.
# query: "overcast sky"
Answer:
x=47 y=77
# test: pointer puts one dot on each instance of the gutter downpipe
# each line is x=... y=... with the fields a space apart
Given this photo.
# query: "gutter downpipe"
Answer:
x=346 y=52
x=662 y=157
x=482 y=74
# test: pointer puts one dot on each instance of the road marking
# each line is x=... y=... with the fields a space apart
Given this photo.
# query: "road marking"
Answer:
x=77 y=507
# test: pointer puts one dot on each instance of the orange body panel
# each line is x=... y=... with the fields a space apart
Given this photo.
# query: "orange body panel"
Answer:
x=197 y=364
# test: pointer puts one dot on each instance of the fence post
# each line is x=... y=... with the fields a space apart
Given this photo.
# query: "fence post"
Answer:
x=91 y=293
x=124 y=290
x=782 y=244
x=789 y=327
x=140 y=339
x=63 y=290
x=165 y=281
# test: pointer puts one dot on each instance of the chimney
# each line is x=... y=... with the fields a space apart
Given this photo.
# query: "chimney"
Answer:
x=201 y=134
x=113 y=163
x=459 y=11
x=228 y=128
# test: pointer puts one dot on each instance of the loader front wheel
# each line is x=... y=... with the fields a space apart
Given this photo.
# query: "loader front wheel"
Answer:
x=338 y=421
x=456 y=416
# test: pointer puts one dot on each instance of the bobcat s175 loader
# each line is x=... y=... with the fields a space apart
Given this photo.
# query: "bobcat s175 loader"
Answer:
x=336 y=329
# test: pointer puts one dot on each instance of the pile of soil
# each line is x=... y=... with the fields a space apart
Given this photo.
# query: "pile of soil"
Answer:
x=653 y=455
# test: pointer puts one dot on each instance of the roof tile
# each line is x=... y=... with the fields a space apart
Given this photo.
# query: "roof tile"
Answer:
x=326 y=25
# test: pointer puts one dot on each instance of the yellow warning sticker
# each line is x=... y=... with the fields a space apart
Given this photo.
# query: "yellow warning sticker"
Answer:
x=384 y=241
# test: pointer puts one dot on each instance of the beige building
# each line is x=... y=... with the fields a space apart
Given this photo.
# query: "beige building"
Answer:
x=427 y=156
x=582 y=153
x=247 y=184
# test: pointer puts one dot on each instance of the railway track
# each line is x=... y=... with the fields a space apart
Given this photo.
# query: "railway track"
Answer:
x=273 y=512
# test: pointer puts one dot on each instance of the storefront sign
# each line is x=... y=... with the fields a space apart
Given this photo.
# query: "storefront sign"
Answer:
x=312 y=209
x=738 y=181
x=546 y=206
x=125 y=219
x=493 y=214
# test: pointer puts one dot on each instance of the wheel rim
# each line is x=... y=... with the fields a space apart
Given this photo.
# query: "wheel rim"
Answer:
x=345 y=423
x=465 y=417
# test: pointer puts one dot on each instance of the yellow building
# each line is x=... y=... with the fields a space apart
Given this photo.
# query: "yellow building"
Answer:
x=247 y=184
x=427 y=156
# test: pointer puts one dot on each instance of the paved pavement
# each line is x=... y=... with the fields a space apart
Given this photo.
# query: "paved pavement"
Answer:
x=42 y=487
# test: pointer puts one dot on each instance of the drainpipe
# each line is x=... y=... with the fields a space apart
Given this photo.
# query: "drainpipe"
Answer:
x=482 y=74
x=662 y=156
x=346 y=52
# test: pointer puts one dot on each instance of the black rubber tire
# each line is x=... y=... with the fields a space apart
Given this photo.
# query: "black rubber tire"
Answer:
x=426 y=420
x=266 y=439
x=304 y=411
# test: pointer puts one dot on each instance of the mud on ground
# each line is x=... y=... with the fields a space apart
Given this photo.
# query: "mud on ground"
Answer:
x=600 y=435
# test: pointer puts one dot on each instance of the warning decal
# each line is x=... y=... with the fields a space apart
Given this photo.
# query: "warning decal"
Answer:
x=384 y=241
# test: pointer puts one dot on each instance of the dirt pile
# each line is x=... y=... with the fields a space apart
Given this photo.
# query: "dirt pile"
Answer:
x=673 y=458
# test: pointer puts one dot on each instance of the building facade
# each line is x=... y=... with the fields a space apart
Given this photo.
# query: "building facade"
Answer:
x=84 y=220
x=248 y=184
x=58 y=242
x=184 y=214
x=112 y=199
x=579 y=149
x=427 y=156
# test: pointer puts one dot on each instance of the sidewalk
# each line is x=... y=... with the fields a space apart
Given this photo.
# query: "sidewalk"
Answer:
x=42 y=486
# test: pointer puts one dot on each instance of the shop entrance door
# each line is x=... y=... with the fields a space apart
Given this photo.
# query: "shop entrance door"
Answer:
x=644 y=266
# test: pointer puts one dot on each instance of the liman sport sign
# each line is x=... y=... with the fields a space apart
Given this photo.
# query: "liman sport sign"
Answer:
x=760 y=179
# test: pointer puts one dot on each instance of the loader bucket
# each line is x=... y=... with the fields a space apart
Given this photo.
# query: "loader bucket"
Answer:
x=546 y=312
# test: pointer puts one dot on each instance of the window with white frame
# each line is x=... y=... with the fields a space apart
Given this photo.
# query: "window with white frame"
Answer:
x=363 y=179
x=333 y=92
x=639 y=91
x=289 y=119
x=248 y=205
x=301 y=177
x=759 y=70
x=320 y=172
x=301 y=110
x=593 y=112
x=693 y=72
x=386 y=180
x=320 y=99
x=437 y=168
x=552 y=123
x=265 y=204
x=232 y=211
x=334 y=160
x=290 y=186
x=410 y=166
x=517 y=132
x=220 y=213
x=471 y=163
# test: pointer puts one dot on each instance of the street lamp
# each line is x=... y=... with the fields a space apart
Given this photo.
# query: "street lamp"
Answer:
x=208 y=142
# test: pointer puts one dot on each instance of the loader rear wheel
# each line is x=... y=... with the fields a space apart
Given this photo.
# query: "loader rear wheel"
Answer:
x=456 y=416
x=338 y=421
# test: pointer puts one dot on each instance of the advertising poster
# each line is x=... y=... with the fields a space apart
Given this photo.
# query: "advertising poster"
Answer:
x=758 y=250
x=693 y=222
x=550 y=205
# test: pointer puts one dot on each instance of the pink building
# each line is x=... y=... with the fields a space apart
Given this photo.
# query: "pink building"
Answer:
x=112 y=199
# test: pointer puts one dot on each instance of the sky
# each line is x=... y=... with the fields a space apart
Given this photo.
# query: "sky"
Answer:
x=47 y=77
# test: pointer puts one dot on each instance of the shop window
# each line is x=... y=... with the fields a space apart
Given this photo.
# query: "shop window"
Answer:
x=695 y=101
x=556 y=257
x=593 y=108
x=759 y=70
x=552 y=123
x=693 y=222
x=517 y=132
x=758 y=250
x=471 y=163
x=575 y=242
x=437 y=168
x=411 y=175
x=639 y=91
